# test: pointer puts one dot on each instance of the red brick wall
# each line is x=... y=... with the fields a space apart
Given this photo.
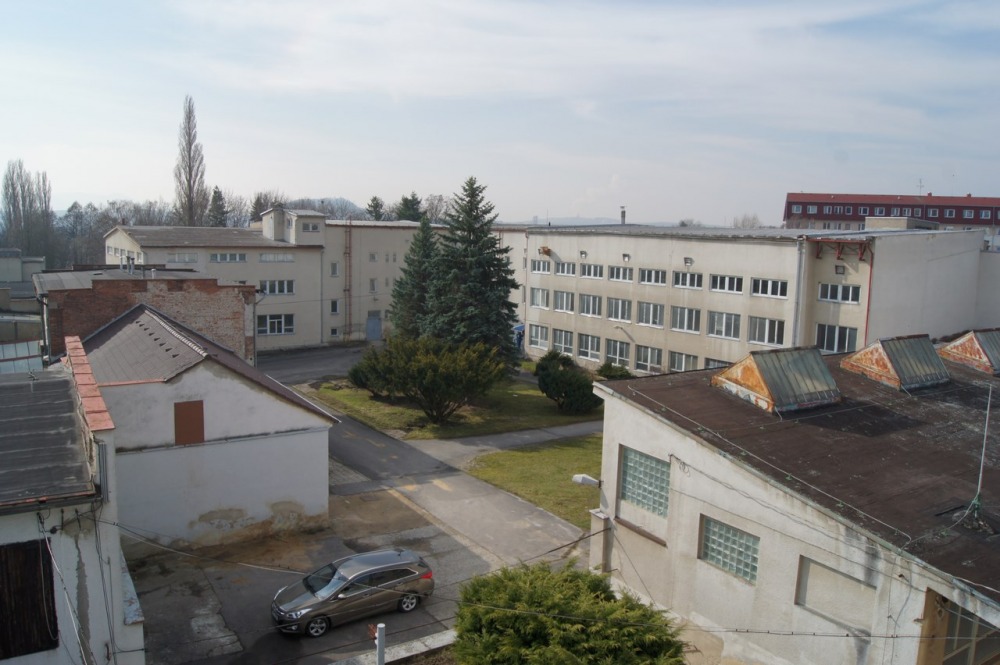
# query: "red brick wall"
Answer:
x=223 y=313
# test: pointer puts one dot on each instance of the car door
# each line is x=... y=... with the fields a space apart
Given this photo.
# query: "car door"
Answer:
x=387 y=593
x=353 y=601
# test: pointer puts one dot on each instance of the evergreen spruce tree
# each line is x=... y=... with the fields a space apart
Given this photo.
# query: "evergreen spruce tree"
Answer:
x=409 y=293
x=217 y=212
x=408 y=208
x=469 y=296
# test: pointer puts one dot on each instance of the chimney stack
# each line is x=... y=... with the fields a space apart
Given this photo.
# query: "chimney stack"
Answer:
x=623 y=215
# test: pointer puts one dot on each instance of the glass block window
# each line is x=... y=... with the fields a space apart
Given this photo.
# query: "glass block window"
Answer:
x=729 y=548
x=645 y=481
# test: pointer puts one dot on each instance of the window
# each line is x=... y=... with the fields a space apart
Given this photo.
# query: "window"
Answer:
x=839 y=292
x=879 y=212
x=568 y=269
x=648 y=359
x=645 y=482
x=766 y=331
x=916 y=212
x=619 y=309
x=812 y=210
x=682 y=362
x=590 y=346
x=387 y=257
x=592 y=270
x=984 y=214
x=275 y=324
x=541 y=266
x=539 y=297
x=949 y=213
x=651 y=314
x=968 y=214
x=110 y=250
x=334 y=269
x=968 y=638
x=729 y=548
x=685 y=318
x=373 y=285
x=849 y=210
x=178 y=257
x=727 y=283
x=839 y=270
x=228 y=257
x=277 y=287
x=189 y=422
x=863 y=211
x=335 y=307
x=590 y=305
x=372 y=257
x=277 y=257
x=651 y=276
x=27 y=567
x=394 y=257
x=310 y=226
x=796 y=209
x=836 y=339
x=562 y=341
x=563 y=301
x=617 y=352
x=723 y=324
x=619 y=274
x=712 y=363
x=895 y=212
x=827 y=210
x=687 y=280
x=538 y=336
x=774 y=288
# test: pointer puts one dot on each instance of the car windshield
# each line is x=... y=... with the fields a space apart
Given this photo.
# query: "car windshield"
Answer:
x=324 y=582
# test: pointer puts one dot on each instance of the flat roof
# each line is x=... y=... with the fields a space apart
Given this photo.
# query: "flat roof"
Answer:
x=900 y=465
x=200 y=236
x=724 y=232
x=889 y=199
x=68 y=280
x=42 y=447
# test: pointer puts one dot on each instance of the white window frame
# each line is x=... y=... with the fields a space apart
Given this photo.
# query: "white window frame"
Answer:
x=863 y=211
x=653 y=276
x=538 y=336
x=566 y=269
x=932 y=212
x=176 y=257
x=879 y=211
x=685 y=319
x=840 y=293
x=650 y=314
x=277 y=257
x=812 y=210
x=769 y=332
x=949 y=213
x=682 y=362
x=619 y=309
x=617 y=352
x=592 y=271
x=227 y=257
x=334 y=269
x=766 y=287
x=562 y=301
x=620 y=273
x=985 y=214
x=796 y=209
x=562 y=341
x=968 y=214
x=832 y=338
x=687 y=280
x=648 y=359
x=726 y=283
x=590 y=305
x=335 y=307
x=539 y=298
x=588 y=346
x=275 y=324
x=723 y=324
x=277 y=287
x=541 y=266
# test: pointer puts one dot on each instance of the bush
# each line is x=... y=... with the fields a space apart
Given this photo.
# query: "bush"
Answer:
x=612 y=372
x=534 y=615
x=567 y=385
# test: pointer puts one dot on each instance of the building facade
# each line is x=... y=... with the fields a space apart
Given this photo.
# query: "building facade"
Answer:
x=657 y=299
x=319 y=281
x=849 y=212
x=790 y=511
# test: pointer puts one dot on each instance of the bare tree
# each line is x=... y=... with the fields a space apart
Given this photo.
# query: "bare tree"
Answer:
x=192 y=195
x=746 y=221
x=238 y=210
x=435 y=207
x=26 y=218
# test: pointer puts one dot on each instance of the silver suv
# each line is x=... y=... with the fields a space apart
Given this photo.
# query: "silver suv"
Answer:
x=351 y=588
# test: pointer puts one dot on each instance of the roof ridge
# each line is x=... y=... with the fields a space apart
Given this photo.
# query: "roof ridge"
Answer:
x=167 y=323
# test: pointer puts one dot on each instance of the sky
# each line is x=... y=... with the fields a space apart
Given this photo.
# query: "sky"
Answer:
x=689 y=109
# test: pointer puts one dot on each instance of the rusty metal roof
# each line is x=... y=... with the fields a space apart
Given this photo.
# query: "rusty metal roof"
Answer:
x=906 y=363
x=781 y=380
x=979 y=349
x=900 y=466
x=42 y=455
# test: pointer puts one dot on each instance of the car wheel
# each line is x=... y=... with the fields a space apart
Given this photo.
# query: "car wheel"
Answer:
x=317 y=627
x=408 y=603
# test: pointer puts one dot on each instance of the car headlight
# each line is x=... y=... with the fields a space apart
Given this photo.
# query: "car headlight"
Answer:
x=297 y=614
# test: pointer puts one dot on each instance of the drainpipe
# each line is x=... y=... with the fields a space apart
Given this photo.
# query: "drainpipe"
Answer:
x=871 y=277
x=800 y=271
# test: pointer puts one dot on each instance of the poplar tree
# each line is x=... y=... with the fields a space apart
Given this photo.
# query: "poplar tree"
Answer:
x=191 y=200
x=469 y=295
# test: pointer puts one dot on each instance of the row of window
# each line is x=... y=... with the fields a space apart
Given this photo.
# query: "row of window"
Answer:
x=879 y=211
x=645 y=483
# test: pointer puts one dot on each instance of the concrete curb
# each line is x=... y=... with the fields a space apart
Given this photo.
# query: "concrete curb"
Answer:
x=399 y=652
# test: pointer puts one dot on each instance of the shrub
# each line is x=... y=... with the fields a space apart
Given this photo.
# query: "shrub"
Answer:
x=567 y=385
x=612 y=372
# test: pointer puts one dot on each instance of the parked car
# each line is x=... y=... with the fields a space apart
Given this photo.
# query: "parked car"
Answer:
x=353 y=587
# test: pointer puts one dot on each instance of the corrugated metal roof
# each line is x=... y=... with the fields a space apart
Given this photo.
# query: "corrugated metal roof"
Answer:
x=20 y=357
x=989 y=340
x=915 y=361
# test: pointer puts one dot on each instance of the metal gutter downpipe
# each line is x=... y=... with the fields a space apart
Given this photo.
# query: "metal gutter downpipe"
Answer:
x=800 y=243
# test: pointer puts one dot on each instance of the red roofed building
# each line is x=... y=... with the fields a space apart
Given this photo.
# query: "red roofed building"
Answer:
x=848 y=211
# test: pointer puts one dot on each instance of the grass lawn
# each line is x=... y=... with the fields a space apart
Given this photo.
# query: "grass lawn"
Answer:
x=543 y=475
x=511 y=406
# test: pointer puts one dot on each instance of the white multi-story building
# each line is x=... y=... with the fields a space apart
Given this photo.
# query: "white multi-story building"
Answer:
x=319 y=281
x=657 y=299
